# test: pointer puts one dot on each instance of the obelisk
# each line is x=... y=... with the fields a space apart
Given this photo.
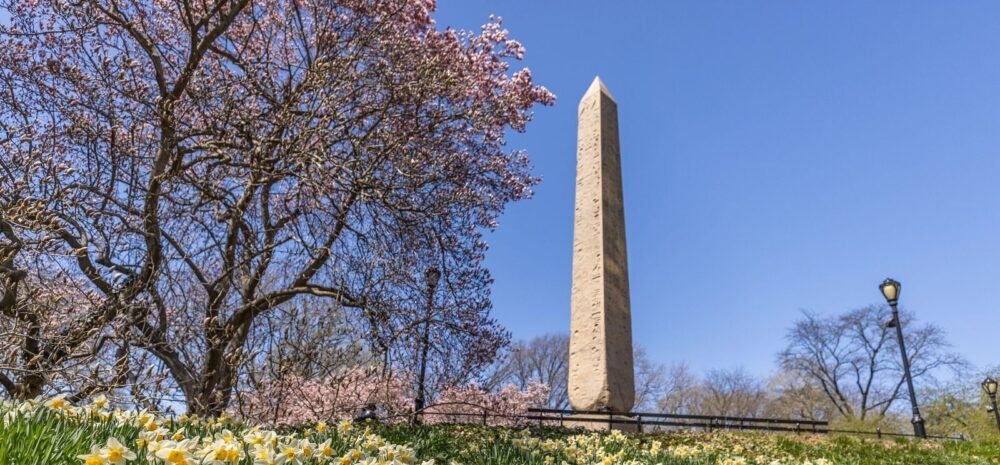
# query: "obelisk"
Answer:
x=600 y=348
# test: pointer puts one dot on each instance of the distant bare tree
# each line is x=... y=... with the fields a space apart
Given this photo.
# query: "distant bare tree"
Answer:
x=794 y=396
x=854 y=358
x=545 y=359
x=680 y=392
x=732 y=392
x=651 y=381
x=542 y=359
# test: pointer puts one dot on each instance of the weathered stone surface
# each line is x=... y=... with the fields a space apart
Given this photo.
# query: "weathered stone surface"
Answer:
x=600 y=359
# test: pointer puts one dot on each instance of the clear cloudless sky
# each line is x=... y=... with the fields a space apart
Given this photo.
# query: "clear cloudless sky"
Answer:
x=777 y=156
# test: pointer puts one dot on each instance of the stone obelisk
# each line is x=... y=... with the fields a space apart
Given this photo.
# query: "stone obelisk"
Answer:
x=600 y=348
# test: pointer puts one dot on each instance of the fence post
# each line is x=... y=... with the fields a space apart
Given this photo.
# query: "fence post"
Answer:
x=484 y=417
x=878 y=432
x=638 y=420
x=611 y=421
x=798 y=428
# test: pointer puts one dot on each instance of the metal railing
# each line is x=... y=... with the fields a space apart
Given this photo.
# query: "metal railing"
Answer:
x=706 y=422
x=646 y=422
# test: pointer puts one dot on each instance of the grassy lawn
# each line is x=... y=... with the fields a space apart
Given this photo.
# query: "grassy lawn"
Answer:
x=62 y=435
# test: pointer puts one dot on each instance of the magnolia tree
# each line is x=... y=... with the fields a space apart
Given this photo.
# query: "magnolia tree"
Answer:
x=60 y=312
x=506 y=406
x=297 y=401
x=203 y=164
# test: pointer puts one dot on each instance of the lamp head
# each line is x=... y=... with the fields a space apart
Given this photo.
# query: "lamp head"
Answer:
x=990 y=386
x=890 y=290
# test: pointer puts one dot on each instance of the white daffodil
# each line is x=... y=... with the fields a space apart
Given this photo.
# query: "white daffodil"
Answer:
x=344 y=427
x=225 y=436
x=176 y=453
x=99 y=401
x=221 y=452
x=95 y=457
x=116 y=453
x=290 y=453
x=265 y=455
x=58 y=402
x=325 y=450
x=307 y=449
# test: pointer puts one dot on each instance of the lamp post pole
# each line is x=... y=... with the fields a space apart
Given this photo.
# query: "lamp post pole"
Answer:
x=890 y=289
x=990 y=386
x=432 y=275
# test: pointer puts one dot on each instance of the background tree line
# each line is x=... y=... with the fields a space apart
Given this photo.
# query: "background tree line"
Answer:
x=844 y=368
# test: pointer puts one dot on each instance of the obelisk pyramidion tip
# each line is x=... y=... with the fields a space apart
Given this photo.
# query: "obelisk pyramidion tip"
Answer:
x=598 y=85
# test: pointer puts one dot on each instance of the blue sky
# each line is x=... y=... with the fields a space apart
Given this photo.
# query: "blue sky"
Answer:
x=777 y=157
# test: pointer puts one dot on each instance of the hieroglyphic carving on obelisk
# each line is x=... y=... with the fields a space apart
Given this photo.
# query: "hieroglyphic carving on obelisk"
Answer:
x=600 y=349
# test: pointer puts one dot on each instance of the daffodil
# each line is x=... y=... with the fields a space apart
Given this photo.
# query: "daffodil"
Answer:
x=176 y=453
x=307 y=449
x=225 y=436
x=58 y=402
x=289 y=453
x=344 y=427
x=221 y=452
x=142 y=417
x=95 y=457
x=99 y=401
x=116 y=453
x=257 y=437
x=325 y=449
x=267 y=456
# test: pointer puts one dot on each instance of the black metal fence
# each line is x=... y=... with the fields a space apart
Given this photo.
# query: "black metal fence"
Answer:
x=644 y=421
x=648 y=422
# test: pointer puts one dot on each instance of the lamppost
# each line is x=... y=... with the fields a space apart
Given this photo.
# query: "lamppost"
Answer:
x=990 y=386
x=432 y=275
x=890 y=289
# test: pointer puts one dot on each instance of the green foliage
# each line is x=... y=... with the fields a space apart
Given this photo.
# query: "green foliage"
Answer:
x=951 y=411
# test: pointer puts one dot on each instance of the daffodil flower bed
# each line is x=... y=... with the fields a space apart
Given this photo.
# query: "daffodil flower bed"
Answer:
x=53 y=432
